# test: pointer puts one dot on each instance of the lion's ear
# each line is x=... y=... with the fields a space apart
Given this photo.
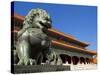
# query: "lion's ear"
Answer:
x=33 y=12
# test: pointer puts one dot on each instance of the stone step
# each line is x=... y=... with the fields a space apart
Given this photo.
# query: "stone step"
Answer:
x=39 y=68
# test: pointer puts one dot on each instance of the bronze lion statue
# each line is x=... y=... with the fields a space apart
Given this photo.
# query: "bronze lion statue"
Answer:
x=33 y=44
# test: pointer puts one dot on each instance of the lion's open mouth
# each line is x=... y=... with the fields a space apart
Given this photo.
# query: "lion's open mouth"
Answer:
x=47 y=25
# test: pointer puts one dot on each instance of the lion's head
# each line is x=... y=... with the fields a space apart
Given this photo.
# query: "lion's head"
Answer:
x=37 y=18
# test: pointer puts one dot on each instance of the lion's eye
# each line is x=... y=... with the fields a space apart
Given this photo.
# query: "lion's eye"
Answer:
x=48 y=19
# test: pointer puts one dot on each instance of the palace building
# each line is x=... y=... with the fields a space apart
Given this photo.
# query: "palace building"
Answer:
x=71 y=50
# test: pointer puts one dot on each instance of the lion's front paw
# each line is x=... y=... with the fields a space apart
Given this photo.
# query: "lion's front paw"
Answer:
x=29 y=62
x=32 y=61
x=21 y=62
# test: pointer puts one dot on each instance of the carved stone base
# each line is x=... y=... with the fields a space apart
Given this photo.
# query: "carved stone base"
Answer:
x=39 y=68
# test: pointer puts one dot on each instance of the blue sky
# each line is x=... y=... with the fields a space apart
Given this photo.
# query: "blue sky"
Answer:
x=78 y=21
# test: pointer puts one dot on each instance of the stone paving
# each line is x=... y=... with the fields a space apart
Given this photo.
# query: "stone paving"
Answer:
x=83 y=67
